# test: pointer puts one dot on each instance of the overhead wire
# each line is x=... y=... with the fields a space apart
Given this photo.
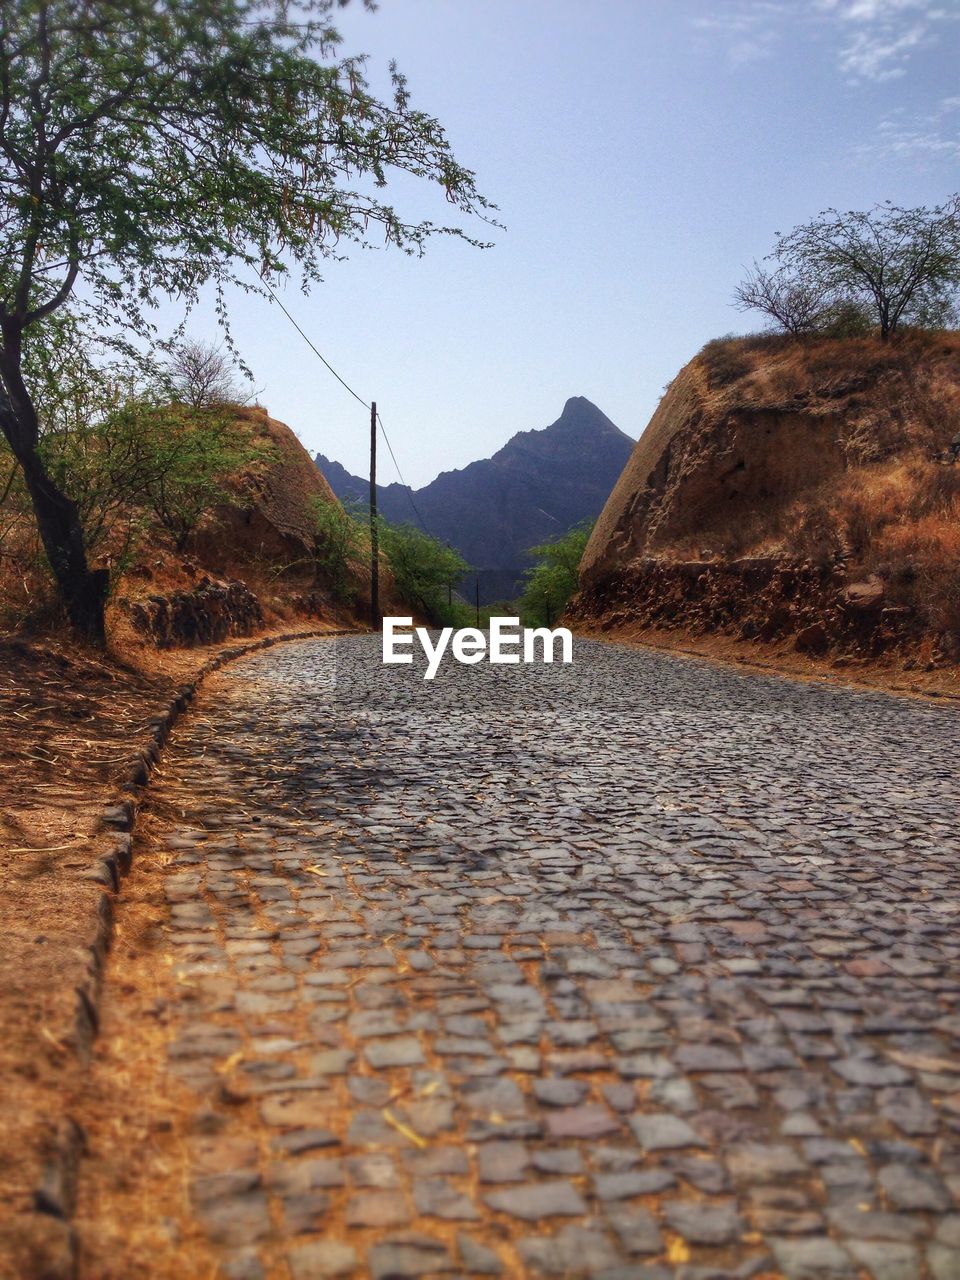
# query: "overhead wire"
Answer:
x=396 y=464
x=343 y=382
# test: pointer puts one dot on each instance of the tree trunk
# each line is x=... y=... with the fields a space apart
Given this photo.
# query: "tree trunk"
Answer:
x=82 y=590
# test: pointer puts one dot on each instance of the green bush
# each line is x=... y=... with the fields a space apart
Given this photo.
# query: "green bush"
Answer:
x=341 y=542
x=550 y=583
x=846 y=319
x=425 y=571
x=112 y=441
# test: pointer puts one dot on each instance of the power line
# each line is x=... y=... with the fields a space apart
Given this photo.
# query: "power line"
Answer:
x=356 y=397
x=409 y=491
x=342 y=381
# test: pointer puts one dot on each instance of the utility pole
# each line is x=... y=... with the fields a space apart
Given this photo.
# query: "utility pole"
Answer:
x=478 y=602
x=374 y=530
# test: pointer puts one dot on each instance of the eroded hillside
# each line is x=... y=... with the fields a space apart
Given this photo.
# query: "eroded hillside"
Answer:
x=798 y=490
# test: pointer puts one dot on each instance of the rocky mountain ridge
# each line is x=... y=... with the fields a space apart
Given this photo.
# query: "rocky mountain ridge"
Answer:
x=535 y=487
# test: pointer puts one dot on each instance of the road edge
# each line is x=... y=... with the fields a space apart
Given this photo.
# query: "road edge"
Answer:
x=54 y=1197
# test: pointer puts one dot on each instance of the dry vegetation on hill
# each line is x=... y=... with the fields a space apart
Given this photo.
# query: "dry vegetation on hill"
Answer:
x=262 y=540
x=797 y=489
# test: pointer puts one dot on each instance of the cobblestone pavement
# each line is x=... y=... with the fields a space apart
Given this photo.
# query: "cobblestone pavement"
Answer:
x=635 y=968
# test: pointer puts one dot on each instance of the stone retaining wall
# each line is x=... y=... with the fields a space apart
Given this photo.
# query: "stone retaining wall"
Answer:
x=765 y=598
x=213 y=611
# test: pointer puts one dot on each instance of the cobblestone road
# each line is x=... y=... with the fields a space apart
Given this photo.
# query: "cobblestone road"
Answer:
x=635 y=968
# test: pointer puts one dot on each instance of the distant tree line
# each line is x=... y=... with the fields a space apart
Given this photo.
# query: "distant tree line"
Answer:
x=552 y=580
x=426 y=572
x=424 y=569
x=846 y=274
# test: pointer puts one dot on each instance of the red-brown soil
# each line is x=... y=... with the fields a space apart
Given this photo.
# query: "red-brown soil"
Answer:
x=797 y=492
x=70 y=718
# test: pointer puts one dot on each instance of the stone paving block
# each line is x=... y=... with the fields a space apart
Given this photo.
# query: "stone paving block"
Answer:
x=632 y=1182
x=738 y=978
x=584 y=1251
x=438 y=1198
x=322 y=1258
x=914 y=1188
x=759 y=1163
x=886 y=1261
x=502 y=1162
x=591 y=1120
x=663 y=1132
x=400 y=1051
x=408 y=1256
x=534 y=1201
x=707 y=1224
x=636 y=1229
x=477 y=1258
x=235 y=1219
x=811 y=1258
x=377 y=1209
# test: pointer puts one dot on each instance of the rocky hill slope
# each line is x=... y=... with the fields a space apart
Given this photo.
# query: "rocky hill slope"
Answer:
x=535 y=487
x=251 y=563
x=798 y=491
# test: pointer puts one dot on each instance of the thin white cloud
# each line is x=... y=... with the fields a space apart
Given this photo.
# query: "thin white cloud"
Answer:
x=919 y=138
x=873 y=40
x=872 y=56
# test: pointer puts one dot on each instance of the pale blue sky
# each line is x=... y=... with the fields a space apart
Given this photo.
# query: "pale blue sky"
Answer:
x=641 y=152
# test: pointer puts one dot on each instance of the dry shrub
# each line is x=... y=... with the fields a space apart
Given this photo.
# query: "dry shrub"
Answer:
x=934 y=488
x=725 y=361
x=870 y=498
x=833 y=363
x=900 y=519
x=903 y=520
x=27 y=597
x=782 y=382
x=816 y=532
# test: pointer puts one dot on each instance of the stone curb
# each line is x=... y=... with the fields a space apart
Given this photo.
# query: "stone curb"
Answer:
x=55 y=1195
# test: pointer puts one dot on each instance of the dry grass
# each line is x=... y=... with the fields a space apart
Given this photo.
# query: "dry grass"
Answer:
x=67 y=720
x=894 y=507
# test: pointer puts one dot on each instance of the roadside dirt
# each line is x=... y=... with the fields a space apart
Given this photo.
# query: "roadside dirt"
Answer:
x=70 y=719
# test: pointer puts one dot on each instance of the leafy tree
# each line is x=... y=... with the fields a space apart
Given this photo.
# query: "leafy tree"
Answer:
x=189 y=455
x=551 y=582
x=150 y=147
x=424 y=569
x=846 y=318
x=340 y=543
x=108 y=432
x=901 y=264
x=84 y=437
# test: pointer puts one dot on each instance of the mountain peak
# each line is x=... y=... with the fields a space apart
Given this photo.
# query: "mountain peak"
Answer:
x=583 y=415
x=577 y=404
x=534 y=487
